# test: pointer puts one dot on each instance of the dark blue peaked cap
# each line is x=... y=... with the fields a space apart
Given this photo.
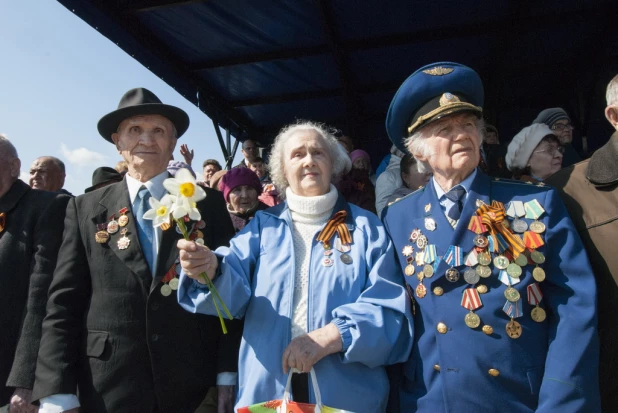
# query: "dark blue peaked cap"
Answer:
x=430 y=93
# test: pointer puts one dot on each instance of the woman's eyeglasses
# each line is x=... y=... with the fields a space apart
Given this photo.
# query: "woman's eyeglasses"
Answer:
x=553 y=151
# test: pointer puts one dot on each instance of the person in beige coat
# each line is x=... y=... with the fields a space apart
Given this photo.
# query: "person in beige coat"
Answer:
x=590 y=191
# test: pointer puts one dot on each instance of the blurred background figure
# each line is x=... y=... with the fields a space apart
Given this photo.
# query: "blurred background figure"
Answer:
x=356 y=186
x=493 y=153
x=410 y=176
x=122 y=167
x=250 y=151
x=102 y=177
x=174 y=166
x=241 y=187
x=209 y=168
x=48 y=173
x=534 y=154
x=560 y=124
x=346 y=142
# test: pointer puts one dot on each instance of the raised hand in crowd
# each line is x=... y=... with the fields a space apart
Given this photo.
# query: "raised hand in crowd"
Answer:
x=186 y=153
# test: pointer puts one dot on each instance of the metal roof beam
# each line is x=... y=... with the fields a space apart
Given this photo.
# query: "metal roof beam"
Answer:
x=150 y=5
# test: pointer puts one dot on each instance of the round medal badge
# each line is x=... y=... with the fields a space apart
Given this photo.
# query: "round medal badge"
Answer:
x=538 y=314
x=538 y=274
x=472 y=320
x=513 y=329
x=452 y=275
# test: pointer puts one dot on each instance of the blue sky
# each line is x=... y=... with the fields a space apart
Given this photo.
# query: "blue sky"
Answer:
x=59 y=76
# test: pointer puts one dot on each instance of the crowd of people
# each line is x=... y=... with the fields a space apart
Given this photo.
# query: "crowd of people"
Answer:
x=459 y=275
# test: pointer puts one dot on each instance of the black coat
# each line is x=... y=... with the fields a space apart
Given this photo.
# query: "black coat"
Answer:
x=111 y=333
x=28 y=249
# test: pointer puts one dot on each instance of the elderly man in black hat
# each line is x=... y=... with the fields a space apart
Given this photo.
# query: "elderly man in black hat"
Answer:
x=114 y=333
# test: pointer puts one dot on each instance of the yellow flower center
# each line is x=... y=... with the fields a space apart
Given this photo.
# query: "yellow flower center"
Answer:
x=187 y=189
x=162 y=211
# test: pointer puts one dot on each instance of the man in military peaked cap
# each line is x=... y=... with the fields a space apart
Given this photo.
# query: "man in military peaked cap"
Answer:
x=114 y=332
x=504 y=294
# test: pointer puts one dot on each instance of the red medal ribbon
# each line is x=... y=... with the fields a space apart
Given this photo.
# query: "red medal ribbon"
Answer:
x=492 y=217
x=2 y=221
x=471 y=299
x=534 y=294
x=171 y=274
x=476 y=225
x=533 y=240
x=123 y=211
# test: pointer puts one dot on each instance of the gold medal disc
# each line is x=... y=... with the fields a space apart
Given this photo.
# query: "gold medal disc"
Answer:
x=472 y=320
x=481 y=288
x=428 y=270
x=537 y=227
x=484 y=258
x=409 y=270
x=123 y=220
x=538 y=274
x=511 y=294
x=421 y=291
x=538 y=314
x=521 y=260
x=101 y=237
x=513 y=329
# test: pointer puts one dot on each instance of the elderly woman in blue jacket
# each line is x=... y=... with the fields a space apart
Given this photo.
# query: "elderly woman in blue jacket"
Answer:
x=315 y=279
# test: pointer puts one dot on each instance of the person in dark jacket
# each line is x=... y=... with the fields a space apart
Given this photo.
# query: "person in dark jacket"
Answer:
x=31 y=223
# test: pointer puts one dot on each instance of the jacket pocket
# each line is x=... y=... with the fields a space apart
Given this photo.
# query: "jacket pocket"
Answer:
x=535 y=378
x=95 y=343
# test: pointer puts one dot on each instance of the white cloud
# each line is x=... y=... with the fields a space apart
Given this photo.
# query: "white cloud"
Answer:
x=82 y=156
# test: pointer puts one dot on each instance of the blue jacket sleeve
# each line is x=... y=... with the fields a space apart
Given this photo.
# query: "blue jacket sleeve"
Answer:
x=234 y=279
x=570 y=382
x=377 y=329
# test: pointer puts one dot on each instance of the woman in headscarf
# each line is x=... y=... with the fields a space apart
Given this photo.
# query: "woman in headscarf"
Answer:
x=241 y=188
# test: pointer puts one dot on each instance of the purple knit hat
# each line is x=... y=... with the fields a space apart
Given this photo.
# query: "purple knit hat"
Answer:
x=237 y=177
x=359 y=153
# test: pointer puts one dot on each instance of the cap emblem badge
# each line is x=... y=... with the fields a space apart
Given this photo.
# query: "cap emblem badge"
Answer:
x=448 y=98
x=438 y=71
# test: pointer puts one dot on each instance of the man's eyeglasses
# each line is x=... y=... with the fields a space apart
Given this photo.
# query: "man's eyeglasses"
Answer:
x=553 y=151
x=562 y=126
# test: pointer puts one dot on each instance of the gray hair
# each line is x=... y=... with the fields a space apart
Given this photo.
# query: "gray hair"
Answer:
x=417 y=143
x=59 y=164
x=612 y=92
x=6 y=147
x=340 y=159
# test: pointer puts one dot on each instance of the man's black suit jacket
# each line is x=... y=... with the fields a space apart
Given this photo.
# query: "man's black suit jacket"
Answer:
x=109 y=331
x=28 y=249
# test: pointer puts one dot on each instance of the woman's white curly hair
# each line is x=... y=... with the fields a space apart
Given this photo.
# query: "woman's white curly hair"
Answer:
x=339 y=157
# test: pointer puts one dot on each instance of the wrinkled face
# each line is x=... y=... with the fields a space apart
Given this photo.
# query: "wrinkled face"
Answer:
x=249 y=150
x=46 y=175
x=563 y=129
x=243 y=198
x=362 y=163
x=453 y=145
x=146 y=143
x=259 y=168
x=546 y=159
x=209 y=171
x=307 y=163
x=414 y=179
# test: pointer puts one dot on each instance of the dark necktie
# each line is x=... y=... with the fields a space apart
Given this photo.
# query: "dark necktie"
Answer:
x=456 y=195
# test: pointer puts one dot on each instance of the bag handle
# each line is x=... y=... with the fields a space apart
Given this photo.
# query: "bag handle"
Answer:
x=288 y=387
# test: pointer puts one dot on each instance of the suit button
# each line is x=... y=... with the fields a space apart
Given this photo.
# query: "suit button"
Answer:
x=436 y=367
x=154 y=306
x=488 y=330
x=438 y=291
x=494 y=372
x=154 y=337
x=442 y=329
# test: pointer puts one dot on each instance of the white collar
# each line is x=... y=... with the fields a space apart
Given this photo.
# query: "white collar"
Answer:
x=154 y=186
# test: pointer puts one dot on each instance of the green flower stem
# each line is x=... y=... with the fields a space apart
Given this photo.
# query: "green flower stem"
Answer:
x=209 y=283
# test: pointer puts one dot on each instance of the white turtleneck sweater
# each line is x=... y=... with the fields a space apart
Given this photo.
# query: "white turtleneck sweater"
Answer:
x=309 y=215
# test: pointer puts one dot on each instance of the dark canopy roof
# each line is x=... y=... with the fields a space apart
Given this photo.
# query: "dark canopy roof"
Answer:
x=254 y=66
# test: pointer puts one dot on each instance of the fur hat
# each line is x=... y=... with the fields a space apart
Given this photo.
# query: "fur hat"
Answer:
x=520 y=149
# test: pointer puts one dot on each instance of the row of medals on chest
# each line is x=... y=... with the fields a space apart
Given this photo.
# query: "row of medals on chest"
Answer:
x=105 y=230
x=512 y=267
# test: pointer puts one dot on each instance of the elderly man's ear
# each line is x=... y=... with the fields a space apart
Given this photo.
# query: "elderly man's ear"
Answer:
x=611 y=113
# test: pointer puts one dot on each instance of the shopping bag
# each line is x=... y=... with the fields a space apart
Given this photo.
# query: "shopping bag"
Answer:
x=286 y=406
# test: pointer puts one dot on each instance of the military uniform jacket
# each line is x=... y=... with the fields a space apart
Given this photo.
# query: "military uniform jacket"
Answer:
x=29 y=245
x=109 y=333
x=551 y=367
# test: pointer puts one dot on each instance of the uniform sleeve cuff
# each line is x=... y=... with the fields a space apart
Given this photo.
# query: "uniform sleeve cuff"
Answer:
x=226 y=379
x=344 y=330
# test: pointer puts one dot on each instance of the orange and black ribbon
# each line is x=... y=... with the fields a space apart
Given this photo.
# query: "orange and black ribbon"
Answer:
x=2 y=221
x=492 y=217
x=335 y=224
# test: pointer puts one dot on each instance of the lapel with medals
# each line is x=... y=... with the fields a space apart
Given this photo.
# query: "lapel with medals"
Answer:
x=117 y=199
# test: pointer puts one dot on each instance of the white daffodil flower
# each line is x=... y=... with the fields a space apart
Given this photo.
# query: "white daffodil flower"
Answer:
x=160 y=211
x=187 y=192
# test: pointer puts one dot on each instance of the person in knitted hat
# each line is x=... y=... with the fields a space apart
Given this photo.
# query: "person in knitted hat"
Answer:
x=560 y=124
x=534 y=154
x=241 y=188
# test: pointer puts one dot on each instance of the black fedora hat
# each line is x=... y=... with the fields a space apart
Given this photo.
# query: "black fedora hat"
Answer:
x=140 y=101
x=103 y=175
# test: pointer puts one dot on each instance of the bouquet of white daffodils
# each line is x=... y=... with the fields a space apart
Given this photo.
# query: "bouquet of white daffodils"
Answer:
x=180 y=205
